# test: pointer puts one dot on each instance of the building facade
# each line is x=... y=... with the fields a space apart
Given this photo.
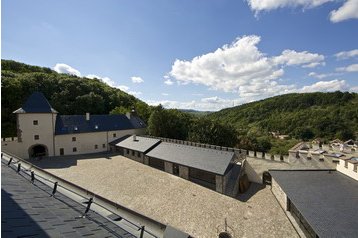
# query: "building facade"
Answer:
x=41 y=131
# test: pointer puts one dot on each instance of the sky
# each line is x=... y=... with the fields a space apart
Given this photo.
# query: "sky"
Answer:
x=190 y=54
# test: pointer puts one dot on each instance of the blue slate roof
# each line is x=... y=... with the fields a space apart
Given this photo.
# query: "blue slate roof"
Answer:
x=326 y=199
x=36 y=103
x=69 y=124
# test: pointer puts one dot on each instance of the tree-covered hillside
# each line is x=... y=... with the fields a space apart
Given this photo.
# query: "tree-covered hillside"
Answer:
x=303 y=116
x=66 y=93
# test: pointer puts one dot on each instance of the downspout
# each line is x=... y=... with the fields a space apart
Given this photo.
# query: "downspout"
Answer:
x=53 y=139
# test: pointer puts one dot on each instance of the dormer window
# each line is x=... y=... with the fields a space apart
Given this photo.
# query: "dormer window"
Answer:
x=35 y=122
x=75 y=128
x=96 y=127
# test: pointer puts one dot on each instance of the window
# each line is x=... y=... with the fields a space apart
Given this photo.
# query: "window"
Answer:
x=73 y=138
x=74 y=149
x=346 y=164
x=35 y=122
x=114 y=135
x=127 y=152
x=62 y=151
x=36 y=137
x=133 y=152
x=96 y=147
x=104 y=145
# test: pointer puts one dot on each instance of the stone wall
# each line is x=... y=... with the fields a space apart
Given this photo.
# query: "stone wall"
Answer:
x=279 y=194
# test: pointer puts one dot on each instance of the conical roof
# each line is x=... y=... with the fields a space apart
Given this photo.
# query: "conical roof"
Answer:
x=36 y=103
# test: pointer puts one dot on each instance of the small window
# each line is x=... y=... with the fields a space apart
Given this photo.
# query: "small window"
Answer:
x=35 y=122
x=36 y=137
x=62 y=151
x=127 y=152
x=73 y=138
x=96 y=147
x=346 y=164
x=104 y=145
x=133 y=152
x=74 y=149
x=114 y=135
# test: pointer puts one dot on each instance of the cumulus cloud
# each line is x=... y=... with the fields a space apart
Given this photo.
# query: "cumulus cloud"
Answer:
x=304 y=58
x=165 y=94
x=267 y=5
x=241 y=68
x=322 y=76
x=347 y=54
x=106 y=80
x=204 y=104
x=66 y=69
x=136 y=79
x=168 y=81
x=349 y=10
x=349 y=68
x=326 y=86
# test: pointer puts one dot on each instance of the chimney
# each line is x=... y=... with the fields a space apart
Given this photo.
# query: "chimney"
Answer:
x=134 y=137
x=87 y=116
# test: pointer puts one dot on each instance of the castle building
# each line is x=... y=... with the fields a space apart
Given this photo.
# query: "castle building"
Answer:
x=41 y=131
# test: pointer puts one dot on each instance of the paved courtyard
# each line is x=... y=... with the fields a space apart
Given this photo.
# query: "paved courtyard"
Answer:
x=189 y=207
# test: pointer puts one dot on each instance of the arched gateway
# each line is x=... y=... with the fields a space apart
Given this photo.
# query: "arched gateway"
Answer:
x=38 y=151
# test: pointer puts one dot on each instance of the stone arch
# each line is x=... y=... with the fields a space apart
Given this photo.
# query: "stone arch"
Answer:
x=38 y=150
x=266 y=178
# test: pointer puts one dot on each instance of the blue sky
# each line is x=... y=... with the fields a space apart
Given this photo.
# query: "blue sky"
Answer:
x=202 y=54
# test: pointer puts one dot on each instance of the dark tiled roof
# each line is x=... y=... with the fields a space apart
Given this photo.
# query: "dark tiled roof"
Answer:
x=36 y=103
x=141 y=144
x=327 y=200
x=28 y=211
x=215 y=161
x=68 y=124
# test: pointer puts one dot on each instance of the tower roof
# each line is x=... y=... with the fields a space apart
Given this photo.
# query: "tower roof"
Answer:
x=36 y=103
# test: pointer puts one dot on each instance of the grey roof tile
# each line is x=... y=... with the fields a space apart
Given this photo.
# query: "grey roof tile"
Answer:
x=215 y=161
x=141 y=144
x=327 y=200
x=50 y=217
x=36 y=103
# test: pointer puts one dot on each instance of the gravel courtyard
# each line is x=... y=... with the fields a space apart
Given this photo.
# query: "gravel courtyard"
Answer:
x=189 y=207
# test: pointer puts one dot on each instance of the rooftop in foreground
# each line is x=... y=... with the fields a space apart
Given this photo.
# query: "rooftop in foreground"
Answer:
x=326 y=199
x=171 y=200
x=28 y=211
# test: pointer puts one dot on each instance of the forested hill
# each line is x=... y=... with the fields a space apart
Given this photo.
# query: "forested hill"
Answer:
x=66 y=93
x=304 y=116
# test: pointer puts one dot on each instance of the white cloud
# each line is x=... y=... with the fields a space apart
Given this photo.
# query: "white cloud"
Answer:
x=322 y=76
x=349 y=10
x=349 y=68
x=165 y=94
x=123 y=88
x=346 y=54
x=304 y=58
x=267 y=5
x=326 y=86
x=241 y=68
x=205 y=104
x=168 y=81
x=66 y=69
x=137 y=79
x=106 y=80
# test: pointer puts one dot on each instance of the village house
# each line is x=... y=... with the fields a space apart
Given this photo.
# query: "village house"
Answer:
x=42 y=131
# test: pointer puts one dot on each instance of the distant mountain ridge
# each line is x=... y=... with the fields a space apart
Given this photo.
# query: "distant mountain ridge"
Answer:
x=325 y=115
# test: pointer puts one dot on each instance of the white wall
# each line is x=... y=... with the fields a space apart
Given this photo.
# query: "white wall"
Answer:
x=347 y=171
x=45 y=129
x=85 y=142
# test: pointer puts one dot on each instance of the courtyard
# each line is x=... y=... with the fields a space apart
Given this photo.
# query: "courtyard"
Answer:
x=189 y=207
